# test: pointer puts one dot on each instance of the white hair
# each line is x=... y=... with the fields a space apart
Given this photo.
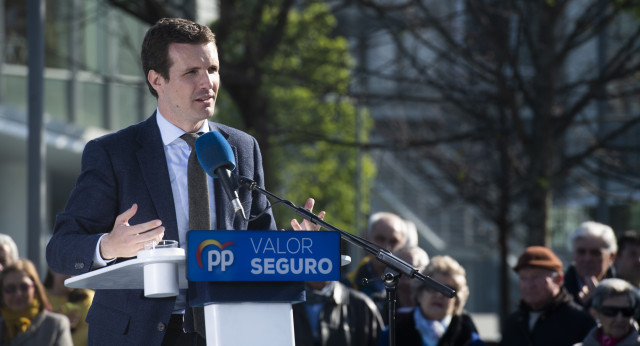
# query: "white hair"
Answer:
x=411 y=231
x=612 y=287
x=420 y=256
x=6 y=239
x=597 y=230
x=408 y=228
x=384 y=215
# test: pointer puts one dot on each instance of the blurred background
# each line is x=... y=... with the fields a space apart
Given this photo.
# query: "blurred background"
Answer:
x=487 y=125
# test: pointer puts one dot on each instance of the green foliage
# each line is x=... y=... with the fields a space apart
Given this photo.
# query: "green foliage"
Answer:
x=313 y=124
x=630 y=6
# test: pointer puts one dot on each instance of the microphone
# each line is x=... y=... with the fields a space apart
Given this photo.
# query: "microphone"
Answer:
x=216 y=158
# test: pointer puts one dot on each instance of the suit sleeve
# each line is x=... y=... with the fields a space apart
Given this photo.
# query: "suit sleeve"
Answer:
x=259 y=201
x=90 y=212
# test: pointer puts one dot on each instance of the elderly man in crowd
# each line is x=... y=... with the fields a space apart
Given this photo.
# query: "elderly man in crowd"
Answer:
x=546 y=315
x=594 y=248
x=388 y=231
x=417 y=257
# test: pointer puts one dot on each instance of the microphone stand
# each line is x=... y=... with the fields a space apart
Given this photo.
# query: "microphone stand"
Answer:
x=395 y=266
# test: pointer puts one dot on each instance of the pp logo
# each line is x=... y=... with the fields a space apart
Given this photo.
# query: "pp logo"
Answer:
x=222 y=258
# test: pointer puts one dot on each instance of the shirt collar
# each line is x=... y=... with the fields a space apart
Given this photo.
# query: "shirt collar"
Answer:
x=171 y=132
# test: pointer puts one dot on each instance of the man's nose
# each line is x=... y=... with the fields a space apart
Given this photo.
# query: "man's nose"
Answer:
x=207 y=81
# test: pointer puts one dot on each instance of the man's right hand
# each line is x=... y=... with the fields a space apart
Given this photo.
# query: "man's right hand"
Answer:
x=586 y=292
x=125 y=240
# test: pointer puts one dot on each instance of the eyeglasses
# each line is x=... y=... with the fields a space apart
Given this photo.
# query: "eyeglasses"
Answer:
x=592 y=252
x=11 y=289
x=612 y=311
x=433 y=290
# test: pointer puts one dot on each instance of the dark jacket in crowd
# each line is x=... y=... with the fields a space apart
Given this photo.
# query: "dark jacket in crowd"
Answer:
x=461 y=332
x=348 y=317
x=563 y=322
x=374 y=289
x=572 y=284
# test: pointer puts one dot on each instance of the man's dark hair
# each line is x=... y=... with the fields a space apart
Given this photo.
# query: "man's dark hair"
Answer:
x=155 y=46
x=630 y=237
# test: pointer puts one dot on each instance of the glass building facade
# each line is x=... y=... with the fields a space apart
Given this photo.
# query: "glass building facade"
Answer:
x=93 y=76
x=92 y=84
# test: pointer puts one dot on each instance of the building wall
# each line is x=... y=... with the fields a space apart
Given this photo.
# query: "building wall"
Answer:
x=13 y=201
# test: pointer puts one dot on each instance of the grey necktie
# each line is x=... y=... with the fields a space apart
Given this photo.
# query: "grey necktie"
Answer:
x=199 y=215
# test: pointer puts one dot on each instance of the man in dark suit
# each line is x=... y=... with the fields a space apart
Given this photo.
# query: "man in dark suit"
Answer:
x=133 y=188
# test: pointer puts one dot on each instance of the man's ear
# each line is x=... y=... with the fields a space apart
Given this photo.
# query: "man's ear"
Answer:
x=156 y=80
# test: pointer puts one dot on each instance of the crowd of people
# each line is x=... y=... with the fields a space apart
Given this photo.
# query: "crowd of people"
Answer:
x=590 y=303
x=593 y=301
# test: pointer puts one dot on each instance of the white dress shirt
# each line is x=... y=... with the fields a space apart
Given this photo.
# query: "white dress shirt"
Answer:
x=177 y=152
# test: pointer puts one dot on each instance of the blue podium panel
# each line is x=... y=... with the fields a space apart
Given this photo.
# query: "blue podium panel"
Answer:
x=266 y=256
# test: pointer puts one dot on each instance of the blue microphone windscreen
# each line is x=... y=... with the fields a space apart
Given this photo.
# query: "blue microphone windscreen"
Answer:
x=213 y=152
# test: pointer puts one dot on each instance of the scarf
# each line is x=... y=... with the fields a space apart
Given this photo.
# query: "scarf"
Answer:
x=606 y=340
x=19 y=321
x=431 y=331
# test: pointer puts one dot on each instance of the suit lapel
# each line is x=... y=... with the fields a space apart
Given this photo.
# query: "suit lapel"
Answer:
x=224 y=214
x=153 y=166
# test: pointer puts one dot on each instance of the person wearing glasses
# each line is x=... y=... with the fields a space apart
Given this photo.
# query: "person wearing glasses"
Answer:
x=614 y=304
x=26 y=314
x=437 y=320
x=546 y=314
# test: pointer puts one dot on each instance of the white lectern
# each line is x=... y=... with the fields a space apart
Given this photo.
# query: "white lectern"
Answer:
x=228 y=322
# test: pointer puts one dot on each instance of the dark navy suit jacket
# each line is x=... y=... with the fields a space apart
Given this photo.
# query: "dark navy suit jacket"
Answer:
x=120 y=169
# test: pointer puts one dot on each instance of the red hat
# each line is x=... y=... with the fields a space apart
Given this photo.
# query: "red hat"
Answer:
x=539 y=257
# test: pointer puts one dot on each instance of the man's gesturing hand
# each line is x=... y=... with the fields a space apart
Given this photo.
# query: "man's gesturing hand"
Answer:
x=125 y=240
x=307 y=225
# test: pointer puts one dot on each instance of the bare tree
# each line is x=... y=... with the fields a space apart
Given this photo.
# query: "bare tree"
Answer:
x=510 y=102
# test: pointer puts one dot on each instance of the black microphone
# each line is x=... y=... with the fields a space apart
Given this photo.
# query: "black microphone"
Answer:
x=217 y=159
